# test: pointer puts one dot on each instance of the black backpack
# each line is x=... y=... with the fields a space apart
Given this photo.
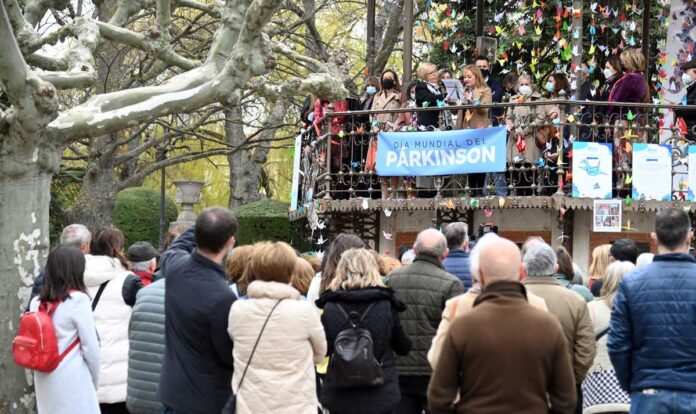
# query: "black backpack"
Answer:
x=353 y=363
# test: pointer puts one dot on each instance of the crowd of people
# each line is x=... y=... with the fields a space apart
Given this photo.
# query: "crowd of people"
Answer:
x=207 y=327
x=537 y=133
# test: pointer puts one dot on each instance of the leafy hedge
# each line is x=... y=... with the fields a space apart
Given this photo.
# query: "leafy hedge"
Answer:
x=136 y=214
x=268 y=220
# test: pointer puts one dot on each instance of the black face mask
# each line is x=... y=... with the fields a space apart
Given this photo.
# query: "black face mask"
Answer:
x=485 y=73
x=388 y=84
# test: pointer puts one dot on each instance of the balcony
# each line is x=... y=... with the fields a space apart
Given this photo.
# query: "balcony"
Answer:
x=532 y=196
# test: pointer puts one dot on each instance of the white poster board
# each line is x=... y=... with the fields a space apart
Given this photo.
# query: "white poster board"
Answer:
x=692 y=173
x=607 y=216
x=652 y=172
x=592 y=162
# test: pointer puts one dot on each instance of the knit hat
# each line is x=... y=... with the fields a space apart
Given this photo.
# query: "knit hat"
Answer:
x=141 y=251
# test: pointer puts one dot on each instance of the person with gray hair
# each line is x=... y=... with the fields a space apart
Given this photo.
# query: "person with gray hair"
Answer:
x=74 y=235
x=457 y=261
x=570 y=308
x=424 y=286
x=142 y=258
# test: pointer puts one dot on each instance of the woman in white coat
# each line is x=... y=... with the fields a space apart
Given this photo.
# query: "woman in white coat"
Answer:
x=107 y=270
x=280 y=376
x=72 y=386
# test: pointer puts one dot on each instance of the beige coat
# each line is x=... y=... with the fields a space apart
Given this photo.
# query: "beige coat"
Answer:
x=528 y=122
x=281 y=376
x=384 y=101
x=479 y=117
x=458 y=306
x=571 y=310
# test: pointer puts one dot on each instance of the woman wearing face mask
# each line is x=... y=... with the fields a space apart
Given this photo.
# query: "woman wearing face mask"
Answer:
x=388 y=98
x=523 y=122
x=409 y=121
x=689 y=81
x=611 y=72
x=558 y=89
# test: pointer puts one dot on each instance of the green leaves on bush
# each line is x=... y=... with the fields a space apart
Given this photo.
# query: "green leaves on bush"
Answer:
x=268 y=220
x=136 y=214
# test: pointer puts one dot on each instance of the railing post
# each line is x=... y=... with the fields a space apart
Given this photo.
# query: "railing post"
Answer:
x=327 y=133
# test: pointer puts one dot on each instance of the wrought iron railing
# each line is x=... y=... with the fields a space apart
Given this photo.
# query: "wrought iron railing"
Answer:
x=333 y=162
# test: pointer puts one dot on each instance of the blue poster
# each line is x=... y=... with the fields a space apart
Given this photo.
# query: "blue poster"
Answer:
x=592 y=162
x=463 y=151
x=652 y=172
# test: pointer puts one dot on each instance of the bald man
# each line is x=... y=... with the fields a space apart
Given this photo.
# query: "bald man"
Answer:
x=464 y=303
x=424 y=286
x=504 y=356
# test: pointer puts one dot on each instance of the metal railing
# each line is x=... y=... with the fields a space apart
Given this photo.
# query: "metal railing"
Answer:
x=334 y=163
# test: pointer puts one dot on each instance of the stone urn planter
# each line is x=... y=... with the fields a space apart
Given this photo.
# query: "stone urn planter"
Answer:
x=188 y=194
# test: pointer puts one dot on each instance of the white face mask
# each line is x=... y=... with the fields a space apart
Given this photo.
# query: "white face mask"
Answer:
x=526 y=90
x=573 y=84
x=608 y=73
x=687 y=79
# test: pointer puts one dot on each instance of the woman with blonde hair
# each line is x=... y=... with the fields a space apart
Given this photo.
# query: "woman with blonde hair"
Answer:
x=277 y=337
x=475 y=92
x=428 y=95
x=601 y=390
x=357 y=297
x=600 y=260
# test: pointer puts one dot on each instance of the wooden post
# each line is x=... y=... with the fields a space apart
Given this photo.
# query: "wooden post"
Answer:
x=479 y=17
x=646 y=37
x=408 y=45
x=371 y=37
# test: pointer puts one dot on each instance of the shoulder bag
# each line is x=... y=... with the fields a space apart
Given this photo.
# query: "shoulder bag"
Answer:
x=231 y=405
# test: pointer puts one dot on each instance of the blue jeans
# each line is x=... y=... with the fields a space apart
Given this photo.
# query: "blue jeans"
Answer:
x=663 y=402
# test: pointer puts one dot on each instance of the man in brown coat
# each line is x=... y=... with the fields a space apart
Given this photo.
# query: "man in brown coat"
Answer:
x=570 y=308
x=504 y=356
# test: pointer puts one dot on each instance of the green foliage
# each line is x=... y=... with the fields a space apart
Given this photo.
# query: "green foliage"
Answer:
x=65 y=189
x=136 y=214
x=268 y=220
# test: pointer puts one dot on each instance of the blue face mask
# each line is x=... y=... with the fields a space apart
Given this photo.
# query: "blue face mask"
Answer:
x=371 y=90
x=550 y=87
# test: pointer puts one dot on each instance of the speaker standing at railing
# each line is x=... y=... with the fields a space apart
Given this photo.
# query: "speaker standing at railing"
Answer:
x=689 y=116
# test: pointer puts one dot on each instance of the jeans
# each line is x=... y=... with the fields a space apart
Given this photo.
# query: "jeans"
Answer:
x=663 y=402
x=412 y=404
x=167 y=410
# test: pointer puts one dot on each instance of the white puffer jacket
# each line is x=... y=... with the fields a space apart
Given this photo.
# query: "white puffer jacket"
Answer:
x=111 y=317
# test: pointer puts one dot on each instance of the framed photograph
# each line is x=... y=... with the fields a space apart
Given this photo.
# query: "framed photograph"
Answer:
x=607 y=216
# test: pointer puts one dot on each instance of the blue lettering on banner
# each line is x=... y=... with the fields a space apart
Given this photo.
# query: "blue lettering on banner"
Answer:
x=463 y=151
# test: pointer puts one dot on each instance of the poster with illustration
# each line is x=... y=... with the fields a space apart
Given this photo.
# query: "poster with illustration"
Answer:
x=592 y=163
x=652 y=172
x=607 y=216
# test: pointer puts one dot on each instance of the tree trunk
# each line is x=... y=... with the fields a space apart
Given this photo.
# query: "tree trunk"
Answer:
x=95 y=205
x=24 y=243
x=245 y=176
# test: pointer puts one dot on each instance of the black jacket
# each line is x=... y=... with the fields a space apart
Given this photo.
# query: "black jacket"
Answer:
x=388 y=337
x=689 y=115
x=425 y=98
x=198 y=363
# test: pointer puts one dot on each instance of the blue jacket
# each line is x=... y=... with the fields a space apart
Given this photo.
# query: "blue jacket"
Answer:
x=652 y=334
x=457 y=263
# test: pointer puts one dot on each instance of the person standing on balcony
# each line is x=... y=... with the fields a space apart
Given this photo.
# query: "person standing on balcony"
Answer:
x=631 y=87
x=428 y=95
x=557 y=143
x=689 y=81
x=527 y=136
x=612 y=72
x=388 y=98
x=495 y=85
x=476 y=92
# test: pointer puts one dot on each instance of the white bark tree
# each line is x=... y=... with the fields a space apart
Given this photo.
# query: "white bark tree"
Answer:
x=35 y=129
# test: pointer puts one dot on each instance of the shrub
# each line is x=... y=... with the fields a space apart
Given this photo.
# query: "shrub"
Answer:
x=268 y=220
x=136 y=214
